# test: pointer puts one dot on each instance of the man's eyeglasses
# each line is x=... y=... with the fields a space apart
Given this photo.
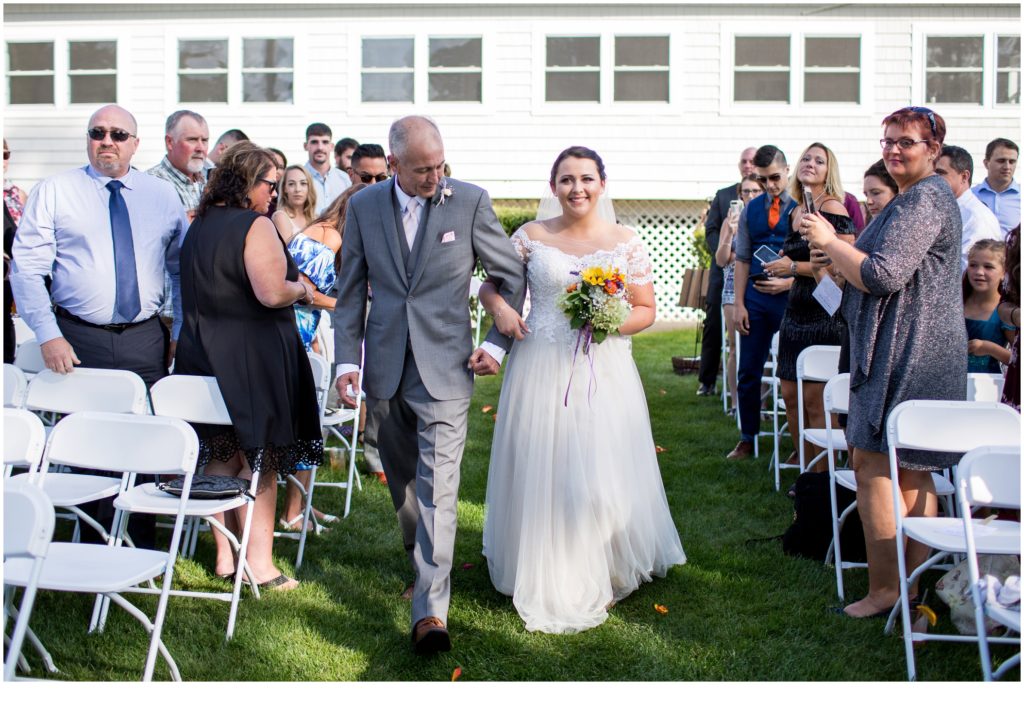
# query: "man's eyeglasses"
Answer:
x=271 y=183
x=371 y=178
x=904 y=144
x=931 y=118
x=751 y=191
x=773 y=178
x=99 y=133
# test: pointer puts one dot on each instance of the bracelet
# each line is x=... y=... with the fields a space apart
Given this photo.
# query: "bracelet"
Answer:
x=792 y=268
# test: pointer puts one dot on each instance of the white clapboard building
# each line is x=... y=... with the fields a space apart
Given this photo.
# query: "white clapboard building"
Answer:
x=668 y=92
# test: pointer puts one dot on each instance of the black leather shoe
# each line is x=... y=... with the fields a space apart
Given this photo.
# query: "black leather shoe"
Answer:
x=430 y=636
x=706 y=391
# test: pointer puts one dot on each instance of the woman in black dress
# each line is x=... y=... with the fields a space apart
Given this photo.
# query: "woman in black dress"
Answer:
x=806 y=323
x=238 y=285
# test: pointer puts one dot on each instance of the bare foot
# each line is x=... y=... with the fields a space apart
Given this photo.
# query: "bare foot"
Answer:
x=870 y=606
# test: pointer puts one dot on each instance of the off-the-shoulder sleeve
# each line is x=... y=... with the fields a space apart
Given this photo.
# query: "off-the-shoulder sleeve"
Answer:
x=639 y=270
x=521 y=242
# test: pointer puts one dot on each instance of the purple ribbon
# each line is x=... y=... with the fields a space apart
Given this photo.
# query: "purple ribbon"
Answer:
x=585 y=335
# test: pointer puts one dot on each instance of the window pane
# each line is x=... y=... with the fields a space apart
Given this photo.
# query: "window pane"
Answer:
x=203 y=88
x=574 y=51
x=387 y=87
x=267 y=53
x=387 y=53
x=832 y=87
x=454 y=87
x=30 y=57
x=1008 y=87
x=267 y=87
x=641 y=51
x=770 y=86
x=93 y=55
x=31 y=90
x=572 y=87
x=203 y=54
x=832 y=52
x=455 y=53
x=954 y=52
x=1009 y=52
x=94 y=88
x=762 y=51
x=641 y=86
x=954 y=87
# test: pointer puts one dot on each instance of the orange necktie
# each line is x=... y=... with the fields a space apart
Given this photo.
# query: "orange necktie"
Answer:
x=773 y=213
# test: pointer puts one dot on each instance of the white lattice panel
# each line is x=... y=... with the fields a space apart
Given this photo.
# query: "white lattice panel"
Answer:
x=666 y=227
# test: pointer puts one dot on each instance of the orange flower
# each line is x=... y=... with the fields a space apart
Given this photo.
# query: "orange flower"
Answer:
x=572 y=287
x=663 y=610
x=486 y=408
x=610 y=287
x=456 y=673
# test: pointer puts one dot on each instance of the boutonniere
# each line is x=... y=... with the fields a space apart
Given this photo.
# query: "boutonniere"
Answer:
x=446 y=191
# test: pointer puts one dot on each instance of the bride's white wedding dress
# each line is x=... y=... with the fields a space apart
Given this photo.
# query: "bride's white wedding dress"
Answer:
x=576 y=515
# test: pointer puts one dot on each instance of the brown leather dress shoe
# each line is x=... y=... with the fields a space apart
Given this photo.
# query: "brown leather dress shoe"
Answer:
x=429 y=636
x=743 y=450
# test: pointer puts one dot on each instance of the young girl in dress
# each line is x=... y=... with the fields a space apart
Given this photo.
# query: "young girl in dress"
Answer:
x=987 y=336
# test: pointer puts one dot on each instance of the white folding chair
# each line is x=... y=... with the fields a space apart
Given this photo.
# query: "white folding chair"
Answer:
x=984 y=386
x=28 y=357
x=84 y=389
x=325 y=334
x=814 y=364
x=28 y=530
x=22 y=332
x=333 y=422
x=941 y=427
x=837 y=401
x=723 y=360
x=197 y=399
x=477 y=311
x=990 y=477
x=772 y=380
x=15 y=386
x=131 y=445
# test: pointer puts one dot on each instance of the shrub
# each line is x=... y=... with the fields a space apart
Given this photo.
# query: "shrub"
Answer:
x=511 y=218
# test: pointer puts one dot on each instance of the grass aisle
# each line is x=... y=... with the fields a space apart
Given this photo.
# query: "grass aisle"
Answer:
x=735 y=611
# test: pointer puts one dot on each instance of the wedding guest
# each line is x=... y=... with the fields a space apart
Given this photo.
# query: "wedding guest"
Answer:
x=987 y=335
x=296 y=202
x=879 y=189
x=343 y=153
x=14 y=196
x=908 y=341
x=328 y=181
x=806 y=322
x=711 y=335
x=104 y=234
x=1009 y=314
x=999 y=191
x=14 y=205
x=956 y=167
x=725 y=256
x=238 y=287
x=369 y=165
x=281 y=161
x=226 y=141
x=760 y=300
x=187 y=140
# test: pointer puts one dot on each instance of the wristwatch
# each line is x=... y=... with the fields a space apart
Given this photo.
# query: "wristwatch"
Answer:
x=792 y=268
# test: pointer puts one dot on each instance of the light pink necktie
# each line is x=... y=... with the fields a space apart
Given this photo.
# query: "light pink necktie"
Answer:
x=411 y=221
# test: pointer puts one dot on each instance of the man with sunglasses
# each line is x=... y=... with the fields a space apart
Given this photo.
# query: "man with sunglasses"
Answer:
x=760 y=302
x=369 y=165
x=105 y=233
x=711 y=336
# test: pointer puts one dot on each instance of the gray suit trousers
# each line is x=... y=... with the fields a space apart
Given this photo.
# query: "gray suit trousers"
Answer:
x=421 y=441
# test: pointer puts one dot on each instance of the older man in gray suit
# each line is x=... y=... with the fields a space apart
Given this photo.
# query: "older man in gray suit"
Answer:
x=416 y=239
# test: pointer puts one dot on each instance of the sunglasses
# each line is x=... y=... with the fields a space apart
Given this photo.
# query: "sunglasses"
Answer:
x=774 y=178
x=271 y=183
x=7 y=155
x=370 y=178
x=118 y=135
x=931 y=117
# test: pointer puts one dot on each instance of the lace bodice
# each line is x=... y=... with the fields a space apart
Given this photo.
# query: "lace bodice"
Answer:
x=549 y=270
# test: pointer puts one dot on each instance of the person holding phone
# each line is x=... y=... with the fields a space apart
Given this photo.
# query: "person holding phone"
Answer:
x=760 y=302
x=816 y=188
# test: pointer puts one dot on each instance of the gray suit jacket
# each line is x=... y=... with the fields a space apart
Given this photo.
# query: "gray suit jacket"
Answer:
x=423 y=306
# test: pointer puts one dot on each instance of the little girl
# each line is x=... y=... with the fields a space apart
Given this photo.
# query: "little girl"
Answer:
x=987 y=336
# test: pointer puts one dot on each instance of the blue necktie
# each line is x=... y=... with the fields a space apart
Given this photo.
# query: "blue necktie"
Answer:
x=126 y=296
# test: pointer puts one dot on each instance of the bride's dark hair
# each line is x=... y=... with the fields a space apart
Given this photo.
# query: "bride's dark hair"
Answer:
x=578 y=152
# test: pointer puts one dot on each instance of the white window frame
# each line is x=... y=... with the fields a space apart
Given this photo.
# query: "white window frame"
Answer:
x=234 y=36
x=61 y=38
x=243 y=71
x=452 y=70
x=607 y=31
x=395 y=70
x=421 y=69
x=178 y=72
x=92 y=71
x=996 y=69
x=989 y=32
x=797 y=68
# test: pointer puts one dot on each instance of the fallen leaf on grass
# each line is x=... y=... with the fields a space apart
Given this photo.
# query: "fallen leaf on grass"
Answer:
x=494 y=417
x=487 y=408
x=661 y=391
x=468 y=565
x=456 y=673
x=663 y=610
x=659 y=449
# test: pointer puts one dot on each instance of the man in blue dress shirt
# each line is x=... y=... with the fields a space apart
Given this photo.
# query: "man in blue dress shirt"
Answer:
x=999 y=191
x=105 y=233
x=328 y=180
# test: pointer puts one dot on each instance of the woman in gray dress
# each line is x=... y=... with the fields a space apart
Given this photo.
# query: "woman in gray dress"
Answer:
x=907 y=338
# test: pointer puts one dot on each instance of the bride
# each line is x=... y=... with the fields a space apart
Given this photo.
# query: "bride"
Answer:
x=576 y=515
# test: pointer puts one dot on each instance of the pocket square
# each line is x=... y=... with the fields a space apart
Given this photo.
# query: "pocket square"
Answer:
x=448 y=237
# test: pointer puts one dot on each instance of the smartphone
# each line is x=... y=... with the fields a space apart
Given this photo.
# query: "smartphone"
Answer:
x=735 y=207
x=766 y=255
x=809 y=201
x=760 y=277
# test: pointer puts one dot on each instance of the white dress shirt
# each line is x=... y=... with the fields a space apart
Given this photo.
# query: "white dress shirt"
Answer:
x=978 y=223
x=65 y=232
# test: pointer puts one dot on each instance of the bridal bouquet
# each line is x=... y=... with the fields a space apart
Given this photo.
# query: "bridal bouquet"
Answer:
x=596 y=304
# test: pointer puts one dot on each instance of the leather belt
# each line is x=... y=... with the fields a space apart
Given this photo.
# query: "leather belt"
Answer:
x=64 y=313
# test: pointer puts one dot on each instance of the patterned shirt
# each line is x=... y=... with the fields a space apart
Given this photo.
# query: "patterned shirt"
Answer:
x=189 y=190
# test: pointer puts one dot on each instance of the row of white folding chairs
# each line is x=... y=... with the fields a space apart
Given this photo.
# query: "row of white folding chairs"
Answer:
x=125 y=443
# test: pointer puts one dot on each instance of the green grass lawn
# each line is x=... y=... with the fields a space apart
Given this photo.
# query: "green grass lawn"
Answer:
x=736 y=611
